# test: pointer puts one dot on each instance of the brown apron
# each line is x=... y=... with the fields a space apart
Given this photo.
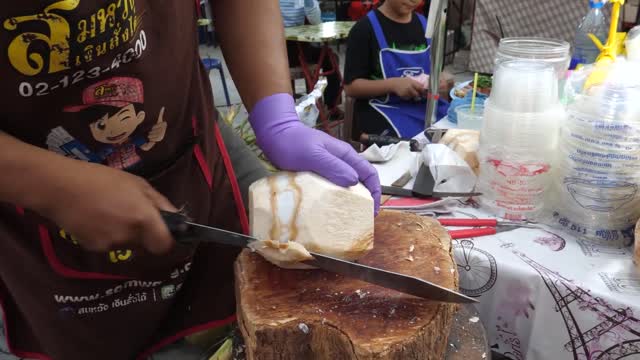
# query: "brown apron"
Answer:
x=116 y=82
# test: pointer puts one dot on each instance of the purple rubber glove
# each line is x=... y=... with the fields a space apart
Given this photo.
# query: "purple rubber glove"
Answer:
x=291 y=145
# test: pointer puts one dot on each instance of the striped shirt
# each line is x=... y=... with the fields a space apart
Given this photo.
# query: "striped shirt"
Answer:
x=295 y=11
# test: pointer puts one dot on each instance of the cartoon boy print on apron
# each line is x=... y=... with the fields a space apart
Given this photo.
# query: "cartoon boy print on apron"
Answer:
x=120 y=100
x=114 y=112
x=406 y=117
x=99 y=81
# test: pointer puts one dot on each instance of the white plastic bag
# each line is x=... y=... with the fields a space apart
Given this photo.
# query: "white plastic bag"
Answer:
x=306 y=106
x=377 y=154
x=450 y=172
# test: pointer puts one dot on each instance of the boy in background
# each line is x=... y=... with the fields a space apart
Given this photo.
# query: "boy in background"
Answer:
x=386 y=70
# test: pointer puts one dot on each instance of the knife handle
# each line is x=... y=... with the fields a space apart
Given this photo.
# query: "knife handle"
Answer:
x=397 y=191
x=472 y=233
x=468 y=222
x=177 y=224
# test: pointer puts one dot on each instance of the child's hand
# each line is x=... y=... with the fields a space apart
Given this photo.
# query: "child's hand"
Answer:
x=104 y=208
x=407 y=88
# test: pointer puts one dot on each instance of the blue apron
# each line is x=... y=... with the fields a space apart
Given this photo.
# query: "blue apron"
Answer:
x=406 y=117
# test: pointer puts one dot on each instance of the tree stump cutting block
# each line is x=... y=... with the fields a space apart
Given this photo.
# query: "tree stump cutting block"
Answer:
x=313 y=314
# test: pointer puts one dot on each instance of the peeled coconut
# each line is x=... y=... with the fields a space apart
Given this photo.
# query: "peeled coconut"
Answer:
x=294 y=213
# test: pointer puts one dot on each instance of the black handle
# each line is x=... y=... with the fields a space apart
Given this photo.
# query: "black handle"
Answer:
x=178 y=226
x=396 y=191
x=176 y=222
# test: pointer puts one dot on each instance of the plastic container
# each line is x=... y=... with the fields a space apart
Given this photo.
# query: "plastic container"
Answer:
x=632 y=44
x=519 y=131
x=595 y=192
x=557 y=53
x=516 y=155
x=468 y=119
x=524 y=86
x=595 y=22
x=518 y=139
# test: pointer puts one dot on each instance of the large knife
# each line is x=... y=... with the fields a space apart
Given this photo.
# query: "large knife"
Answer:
x=186 y=231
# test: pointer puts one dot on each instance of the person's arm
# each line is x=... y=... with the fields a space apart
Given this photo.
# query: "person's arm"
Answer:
x=312 y=11
x=246 y=164
x=359 y=67
x=102 y=207
x=252 y=39
x=253 y=42
x=366 y=89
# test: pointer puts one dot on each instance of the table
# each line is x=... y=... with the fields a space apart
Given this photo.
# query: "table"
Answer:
x=545 y=294
x=321 y=33
x=496 y=19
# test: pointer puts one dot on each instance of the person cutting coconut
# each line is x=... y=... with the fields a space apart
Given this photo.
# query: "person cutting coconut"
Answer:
x=106 y=118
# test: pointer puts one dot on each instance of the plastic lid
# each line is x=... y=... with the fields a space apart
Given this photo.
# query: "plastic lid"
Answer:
x=596 y=4
x=531 y=47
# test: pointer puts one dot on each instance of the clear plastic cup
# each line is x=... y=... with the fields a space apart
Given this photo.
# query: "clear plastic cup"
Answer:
x=469 y=119
x=521 y=132
x=524 y=86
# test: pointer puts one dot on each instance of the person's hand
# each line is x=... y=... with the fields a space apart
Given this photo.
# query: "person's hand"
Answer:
x=407 y=88
x=104 y=208
x=291 y=145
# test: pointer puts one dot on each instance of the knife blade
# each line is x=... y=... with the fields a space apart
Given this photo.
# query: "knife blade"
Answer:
x=397 y=191
x=185 y=231
x=403 y=180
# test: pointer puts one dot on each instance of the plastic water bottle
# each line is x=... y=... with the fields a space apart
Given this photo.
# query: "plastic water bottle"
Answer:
x=585 y=51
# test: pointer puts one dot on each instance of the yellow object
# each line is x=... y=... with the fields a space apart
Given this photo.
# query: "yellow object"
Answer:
x=608 y=51
x=225 y=351
x=622 y=36
x=475 y=89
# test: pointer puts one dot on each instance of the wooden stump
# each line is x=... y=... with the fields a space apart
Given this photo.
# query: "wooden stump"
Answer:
x=313 y=314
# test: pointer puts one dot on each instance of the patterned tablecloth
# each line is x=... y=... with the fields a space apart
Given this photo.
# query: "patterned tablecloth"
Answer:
x=544 y=294
x=496 y=19
x=329 y=31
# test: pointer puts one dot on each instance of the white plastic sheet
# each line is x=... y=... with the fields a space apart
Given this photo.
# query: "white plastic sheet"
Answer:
x=547 y=295
x=450 y=172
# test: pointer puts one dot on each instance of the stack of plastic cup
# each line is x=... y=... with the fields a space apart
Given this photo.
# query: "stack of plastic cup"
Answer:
x=596 y=188
x=518 y=138
x=556 y=53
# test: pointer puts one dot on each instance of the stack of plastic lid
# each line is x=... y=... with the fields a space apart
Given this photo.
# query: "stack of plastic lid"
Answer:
x=596 y=190
x=518 y=138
